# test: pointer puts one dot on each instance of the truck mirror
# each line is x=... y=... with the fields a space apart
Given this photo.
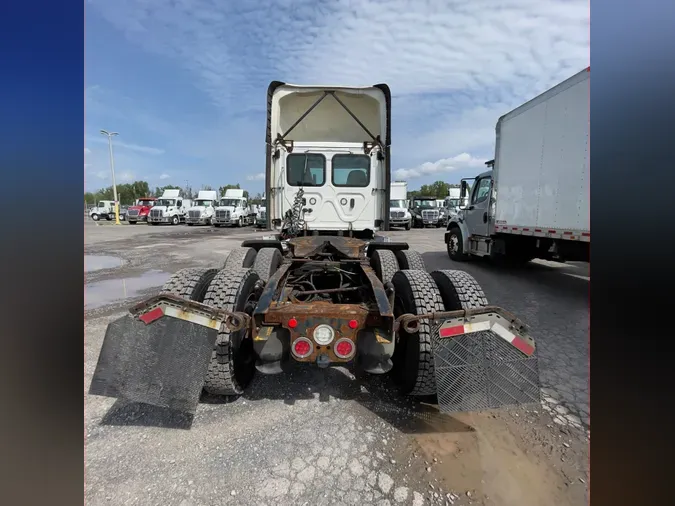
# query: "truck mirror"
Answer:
x=462 y=193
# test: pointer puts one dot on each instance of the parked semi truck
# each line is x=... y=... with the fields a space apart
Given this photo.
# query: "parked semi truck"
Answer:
x=534 y=201
x=323 y=288
x=425 y=211
x=399 y=215
x=233 y=210
x=203 y=209
x=171 y=208
x=140 y=210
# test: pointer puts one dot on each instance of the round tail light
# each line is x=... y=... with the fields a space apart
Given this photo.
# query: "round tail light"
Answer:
x=302 y=347
x=344 y=348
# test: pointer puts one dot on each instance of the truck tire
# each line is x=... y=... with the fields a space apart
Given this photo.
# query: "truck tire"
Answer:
x=240 y=224
x=384 y=263
x=267 y=261
x=191 y=283
x=413 y=371
x=459 y=290
x=132 y=222
x=240 y=257
x=455 y=245
x=409 y=259
x=407 y=225
x=232 y=365
x=175 y=220
x=95 y=217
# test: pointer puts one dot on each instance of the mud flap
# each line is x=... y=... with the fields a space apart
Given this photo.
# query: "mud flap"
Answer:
x=482 y=362
x=159 y=354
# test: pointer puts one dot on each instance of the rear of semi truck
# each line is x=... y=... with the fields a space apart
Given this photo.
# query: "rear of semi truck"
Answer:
x=323 y=290
x=534 y=202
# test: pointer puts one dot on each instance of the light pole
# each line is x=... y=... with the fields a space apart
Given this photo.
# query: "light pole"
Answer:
x=112 y=170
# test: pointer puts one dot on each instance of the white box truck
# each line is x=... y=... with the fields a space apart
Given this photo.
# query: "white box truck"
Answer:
x=170 y=208
x=534 y=202
x=203 y=209
x=233 y=210
x=399 y=215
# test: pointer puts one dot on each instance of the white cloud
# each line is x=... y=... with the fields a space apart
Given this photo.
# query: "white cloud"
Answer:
x=453 y=67
x=124 y=176
x=164 y=176
x=260 y=176
x=443 y=166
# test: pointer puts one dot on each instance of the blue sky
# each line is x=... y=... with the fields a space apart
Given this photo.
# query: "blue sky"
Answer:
x=184 y=81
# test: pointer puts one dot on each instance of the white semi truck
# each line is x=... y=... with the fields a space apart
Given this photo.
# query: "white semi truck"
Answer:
x=171 y=208
x=203 y=209
x=399 y=215
x=233 y=210
x=314 y=293
x=331 y=169
x=534 y=202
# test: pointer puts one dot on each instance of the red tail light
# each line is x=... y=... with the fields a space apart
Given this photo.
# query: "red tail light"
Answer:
x=353 y=324
x=344 y=348
x=302 y=347
x=292 y=323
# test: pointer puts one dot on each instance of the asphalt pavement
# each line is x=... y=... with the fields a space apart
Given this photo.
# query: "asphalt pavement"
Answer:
x=325 y=436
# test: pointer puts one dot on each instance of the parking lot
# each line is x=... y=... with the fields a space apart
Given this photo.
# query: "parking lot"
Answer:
x=325 y=436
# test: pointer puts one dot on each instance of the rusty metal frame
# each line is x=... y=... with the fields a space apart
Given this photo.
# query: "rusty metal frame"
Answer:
x=410 y=322
x=234 y=321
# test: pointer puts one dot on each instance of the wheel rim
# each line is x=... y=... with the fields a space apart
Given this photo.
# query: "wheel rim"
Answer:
x=453 y=244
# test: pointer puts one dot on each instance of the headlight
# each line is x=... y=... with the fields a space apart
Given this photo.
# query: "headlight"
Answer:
x=323 y=334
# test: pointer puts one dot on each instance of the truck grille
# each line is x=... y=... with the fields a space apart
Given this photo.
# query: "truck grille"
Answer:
x=156 y=213
x=397 y=214
x=223 y=214
x=430 y=215
x=195 y=214
x=133 y=212
x=263 y=215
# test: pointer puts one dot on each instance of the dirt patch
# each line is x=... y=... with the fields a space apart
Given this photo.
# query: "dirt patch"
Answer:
x=518 y=458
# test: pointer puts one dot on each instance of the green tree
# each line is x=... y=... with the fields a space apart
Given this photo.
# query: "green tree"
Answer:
x=439 y=189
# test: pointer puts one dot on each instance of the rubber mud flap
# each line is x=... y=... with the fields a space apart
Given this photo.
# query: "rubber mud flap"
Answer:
x=162 y=364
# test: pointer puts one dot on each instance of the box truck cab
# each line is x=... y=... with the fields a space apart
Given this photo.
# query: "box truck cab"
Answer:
x=203 y=208
x=104 y=209
x=233 y=210
x=399 y=215
x=169 y=208
x=328 y=163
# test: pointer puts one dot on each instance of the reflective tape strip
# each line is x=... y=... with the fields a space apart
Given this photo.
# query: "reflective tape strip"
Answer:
x=174 y=312
x=512 y=338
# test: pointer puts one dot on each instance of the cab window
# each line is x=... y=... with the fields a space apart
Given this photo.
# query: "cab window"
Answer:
x=482 y=191
x=305 y=169
x=351 y=170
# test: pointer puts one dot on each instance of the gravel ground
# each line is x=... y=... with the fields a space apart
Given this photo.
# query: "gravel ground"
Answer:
x=325 y=436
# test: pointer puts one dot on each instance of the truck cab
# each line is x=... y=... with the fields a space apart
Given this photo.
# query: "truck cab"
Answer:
x=203 y=209
x=328 y=158
x=233 y=210
x=104 y=209
x=140 y=210
x=169 y=208
x=425 y=211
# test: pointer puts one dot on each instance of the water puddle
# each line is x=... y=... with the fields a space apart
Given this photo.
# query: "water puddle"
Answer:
x=99 y=262
x=106 y=292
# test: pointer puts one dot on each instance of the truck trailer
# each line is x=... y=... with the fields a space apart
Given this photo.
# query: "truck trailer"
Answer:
x=534 y=199
x=322 y=288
